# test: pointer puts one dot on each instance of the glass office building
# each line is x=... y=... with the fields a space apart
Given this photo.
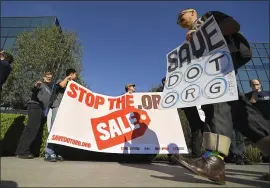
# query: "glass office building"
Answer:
x=257 y=68
x=11 y=27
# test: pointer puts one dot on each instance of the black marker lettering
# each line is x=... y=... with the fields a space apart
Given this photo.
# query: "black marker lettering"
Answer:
x=217 y=88
x=173 y=61
x=194 y=76
x=190 y=93
x=209 y=35
x=216 y=60
x=184 y=47
x=198 y=53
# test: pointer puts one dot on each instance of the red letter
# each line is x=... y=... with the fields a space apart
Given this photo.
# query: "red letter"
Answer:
x=73 y=87
x=129 y=100
x=83 y=91
x=99 y=101
x=112 y=101
x=89 y=100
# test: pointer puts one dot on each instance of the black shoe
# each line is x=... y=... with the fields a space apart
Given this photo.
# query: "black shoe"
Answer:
x=265 y=159
x=59 y=158
x=50 y=157
x=25 y=156
x=239 y=160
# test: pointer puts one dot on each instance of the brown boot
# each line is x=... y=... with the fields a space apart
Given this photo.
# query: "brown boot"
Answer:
x=211 y=167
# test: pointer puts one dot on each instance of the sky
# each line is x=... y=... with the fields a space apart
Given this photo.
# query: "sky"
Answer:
x=127 y=41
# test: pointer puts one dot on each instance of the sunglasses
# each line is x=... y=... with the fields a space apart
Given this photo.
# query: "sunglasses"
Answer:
x=180 y=19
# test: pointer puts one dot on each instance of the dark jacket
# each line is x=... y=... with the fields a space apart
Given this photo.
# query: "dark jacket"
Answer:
x=41 y=95
x=160 y=89
x=233 y=40
x=5 y=70
x=263 y=103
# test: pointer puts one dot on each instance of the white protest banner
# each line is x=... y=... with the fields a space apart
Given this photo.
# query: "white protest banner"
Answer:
x=200 y=71
x=125 y=124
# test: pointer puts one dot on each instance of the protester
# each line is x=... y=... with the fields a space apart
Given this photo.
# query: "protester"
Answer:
x=5 y=67
x=40 y=97
x=221 y=117
x=130 y=88
x=261 y=100
x=237 y=149
x=61 y=84
x=196 y=126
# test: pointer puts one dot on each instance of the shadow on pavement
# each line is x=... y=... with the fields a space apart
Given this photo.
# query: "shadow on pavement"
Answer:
x=4 y=183
x=180 y=175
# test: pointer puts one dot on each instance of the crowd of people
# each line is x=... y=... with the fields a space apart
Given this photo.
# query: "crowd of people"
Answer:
x=224 y=124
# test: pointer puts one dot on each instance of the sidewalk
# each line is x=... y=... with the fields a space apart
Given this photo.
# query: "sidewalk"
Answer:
x=38 y=173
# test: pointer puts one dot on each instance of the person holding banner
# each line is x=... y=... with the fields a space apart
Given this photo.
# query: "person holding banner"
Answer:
x=130 y=88
x=222 y=117
x=196 y=126
x=71 y=74
x=5 y=67
x=261 y=100
x=40 y=98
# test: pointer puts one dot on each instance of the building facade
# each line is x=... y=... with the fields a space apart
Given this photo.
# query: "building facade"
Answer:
x=11 y=27
x=257 y=68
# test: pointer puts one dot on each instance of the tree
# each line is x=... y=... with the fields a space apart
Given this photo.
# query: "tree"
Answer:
x=36 y=52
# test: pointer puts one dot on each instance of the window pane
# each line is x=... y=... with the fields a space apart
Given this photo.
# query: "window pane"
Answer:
x=254 y=52
x=259 y=45
x=266 y=45
x=243 y=75
x=36 y=22
x=246 y=86
x=2 y=42
x=22 y=22
x=9 y=43
x=265 y=86
x=266 y=65
x=47 y=21
x=7 y=22
x=237 y=77
x=268 y=51
x=252 y=75
x=14 y=32
x=267 y=72
x=250 y=66
x=262 y=75
x=240 y=87
x=262 y=52
x=4 y=32
x=257 y=61
x=252 y=45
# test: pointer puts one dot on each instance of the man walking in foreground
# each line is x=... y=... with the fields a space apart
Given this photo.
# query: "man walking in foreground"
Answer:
x=221 y=117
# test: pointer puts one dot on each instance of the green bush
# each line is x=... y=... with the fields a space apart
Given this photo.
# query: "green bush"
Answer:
x=252 y=154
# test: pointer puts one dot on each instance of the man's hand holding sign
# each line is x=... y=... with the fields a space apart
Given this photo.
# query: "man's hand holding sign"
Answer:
x=200 y=71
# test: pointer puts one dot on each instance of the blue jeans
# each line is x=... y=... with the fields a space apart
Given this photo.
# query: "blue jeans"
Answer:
x=50 y=147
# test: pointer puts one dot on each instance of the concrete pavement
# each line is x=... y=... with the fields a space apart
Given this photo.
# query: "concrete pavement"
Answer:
x=38 y=173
